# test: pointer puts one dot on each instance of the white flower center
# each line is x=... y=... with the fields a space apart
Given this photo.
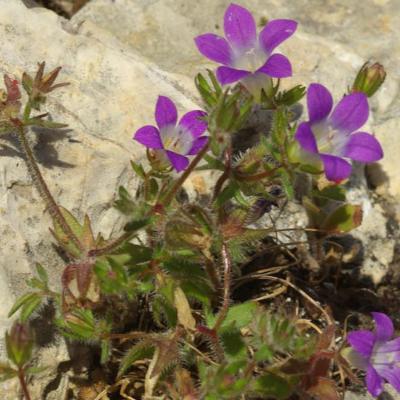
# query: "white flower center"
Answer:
x=176 y=139
x=251 y=59
x=329 y=140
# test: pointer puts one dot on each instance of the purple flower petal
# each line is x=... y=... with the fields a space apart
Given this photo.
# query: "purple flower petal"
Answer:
x=383 y=326
x=319 y=102
x=275 y=32
x=240 y=27
x=166 y=113
x=305 y=137
x=374 y=381
x=336 y=169
x=392 y=375
x=391 y=346
x=277 y=66
x=214 y=47
x=198 y=144
x=193 y=123
x=362 y=341
x=351 y=113
x=149 y=136
x=178 y=161
x=363 y=147
x=227 y=75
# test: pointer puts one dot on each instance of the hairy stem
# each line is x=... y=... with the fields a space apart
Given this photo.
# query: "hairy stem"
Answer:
x=22 y=381
x=211 y=272
x=227 y=287
x=42 y=188
x=113 y=245
x=225 y=175
x=178 y=184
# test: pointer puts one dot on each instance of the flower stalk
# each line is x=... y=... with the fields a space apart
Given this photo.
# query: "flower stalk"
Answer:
x=42 y=187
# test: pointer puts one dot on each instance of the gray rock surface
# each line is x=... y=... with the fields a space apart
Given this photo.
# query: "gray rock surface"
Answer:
x=118 y=57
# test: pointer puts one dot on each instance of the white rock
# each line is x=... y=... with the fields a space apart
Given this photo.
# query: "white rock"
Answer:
x=113 y=91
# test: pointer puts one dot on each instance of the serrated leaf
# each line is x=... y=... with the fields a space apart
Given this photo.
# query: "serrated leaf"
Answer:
x=29 y=308
x=233 y=344
x=105 y=351
x=264 y=353
x=137 y=224
x=239 y=315
x=272 y=386
x=87 y=237
x=134 y=253
x=140 y=351
x=26 y=298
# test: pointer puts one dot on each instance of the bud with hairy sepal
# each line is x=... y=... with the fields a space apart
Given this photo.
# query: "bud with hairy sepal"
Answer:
x=369 y=79
x=38 y=87
x=19 y=344
x=10 y=104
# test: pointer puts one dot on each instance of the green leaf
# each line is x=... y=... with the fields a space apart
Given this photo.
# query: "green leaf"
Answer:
x=228 y=192
x=30 y=307
x=153 y=188
x=7 y=372
x=233 y=344
x=344 y=219
x=135 y=253
x=105 y=351
x=45 y=123
x=205 y=90
x=287 y=184
x=42 y=273
x=272 y=386
x=26 y=298
x=141 y=351
x=35 y=370
x=137 y=224
x=264 y=353
x=138 y=170
x=240 y=315
x=291 y=96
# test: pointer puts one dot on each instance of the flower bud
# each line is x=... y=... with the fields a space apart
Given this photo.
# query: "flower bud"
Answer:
x=369 y=79
x=19 y=343
x=42 y=84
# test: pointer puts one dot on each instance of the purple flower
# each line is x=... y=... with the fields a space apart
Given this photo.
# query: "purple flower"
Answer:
x=171 y=141
x=375 y=353
x=243 y=54
x=335 y=136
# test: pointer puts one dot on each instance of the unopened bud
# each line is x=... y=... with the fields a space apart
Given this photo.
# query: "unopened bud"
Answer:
x=19 y=344
x=369 y=79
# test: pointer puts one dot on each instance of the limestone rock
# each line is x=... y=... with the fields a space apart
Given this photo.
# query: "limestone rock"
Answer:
x=112 y=92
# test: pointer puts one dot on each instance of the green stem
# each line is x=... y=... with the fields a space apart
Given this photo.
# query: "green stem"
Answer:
x=27 y=111
x=170 y=195
x=22 y=381
x=42 y=188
